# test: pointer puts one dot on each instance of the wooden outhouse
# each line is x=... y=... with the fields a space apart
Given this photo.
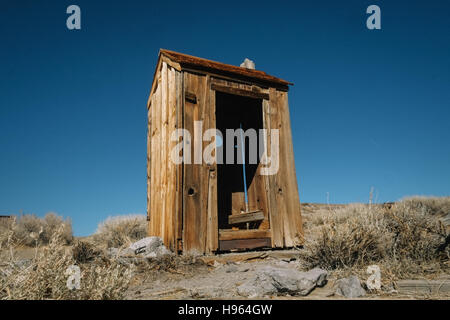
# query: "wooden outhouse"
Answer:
x=203 y=206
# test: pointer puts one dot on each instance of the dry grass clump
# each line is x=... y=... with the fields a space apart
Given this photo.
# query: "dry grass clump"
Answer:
x=84 y=252
x=346 y=237
x=406 y=239
x=154 y=269
x=121 y=230
x=30 y=230
x=437 y=206
x=6 y=226
x=45 y=276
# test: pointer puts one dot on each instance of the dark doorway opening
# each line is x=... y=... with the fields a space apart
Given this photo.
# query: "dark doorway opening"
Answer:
x=234 y=112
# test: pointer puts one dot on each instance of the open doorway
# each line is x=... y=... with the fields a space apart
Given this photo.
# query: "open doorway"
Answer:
x=239 y=190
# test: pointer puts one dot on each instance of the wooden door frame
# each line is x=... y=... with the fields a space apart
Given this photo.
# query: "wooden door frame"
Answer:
x=239 y=239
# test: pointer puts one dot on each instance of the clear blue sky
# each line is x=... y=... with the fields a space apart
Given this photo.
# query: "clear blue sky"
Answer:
x=368 y=108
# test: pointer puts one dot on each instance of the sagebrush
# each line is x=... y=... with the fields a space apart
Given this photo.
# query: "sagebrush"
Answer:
x=406 y=238
x=118 y=231
x=31 y=230
x=45 y=276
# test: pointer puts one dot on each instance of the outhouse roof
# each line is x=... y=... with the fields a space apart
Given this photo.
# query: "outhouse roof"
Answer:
x=192 y=62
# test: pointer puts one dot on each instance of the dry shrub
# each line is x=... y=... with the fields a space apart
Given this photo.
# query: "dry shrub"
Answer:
x=83 y=252
x=173 y=263
x=30 y=230
x=405 y=239
x=44 y=277
x=416 y=232
x=346 y=237
x=121 y=230
x=436 y=206
x=155 y=269
x=6 y=231
x=51 y=223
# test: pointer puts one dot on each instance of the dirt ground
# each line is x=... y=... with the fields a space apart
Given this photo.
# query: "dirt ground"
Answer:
x=217 y=277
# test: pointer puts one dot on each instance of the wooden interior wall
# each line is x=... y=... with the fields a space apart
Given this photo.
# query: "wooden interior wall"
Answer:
x=163 y=174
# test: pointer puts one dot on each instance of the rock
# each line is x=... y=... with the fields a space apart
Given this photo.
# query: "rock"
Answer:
x=295 y=282
x=349 y=287
x=271 y=280
x=116 y=252
x=149 y=247
x=249 y=64
x=231 y=269
x=319 y=275
x=22 y=263
x=257 y=286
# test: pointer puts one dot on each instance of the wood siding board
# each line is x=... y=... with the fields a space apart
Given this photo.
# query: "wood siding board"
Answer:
x=246 y=217
x=288 y=178
x=149 y=161
x=194 y=193
x=163 y=149
x=239 y=91
x=243 y=234
x=226 y=245
x=171 y=173
x=212 y=241
x=179 y=183
x=205 y=169
x=156 y=176
x=212 y=233
x=276 y=218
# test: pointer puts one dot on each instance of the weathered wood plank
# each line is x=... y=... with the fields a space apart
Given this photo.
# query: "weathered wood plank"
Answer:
x=163 y=150
x=171 y=168
x=206 y=113
x=149 y=161
x=212 y=227
x=276 y=222
x=239 y=92
x=246 y=217
x=156 y=154
x=195 y=179
x=190 y=97
x=233 y=78
x=226 y=234
x=213 y=218
x=234 y=257
x=179 y=184
x=261 y=197
x=239 y=84
x=423 y=286
x=237 y=202
x=225 y=245
x=149 y=167
x=286 y=177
